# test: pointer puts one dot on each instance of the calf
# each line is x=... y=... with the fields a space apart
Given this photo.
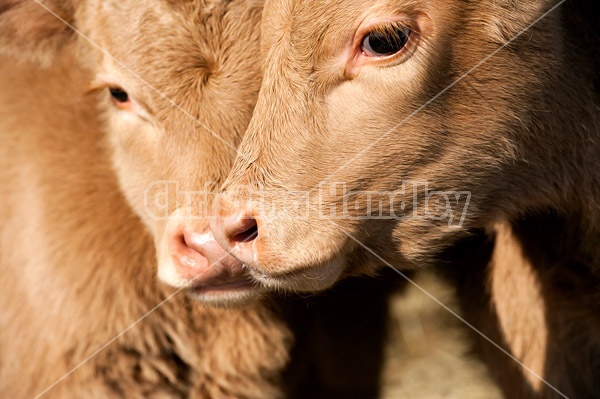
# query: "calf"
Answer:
x=151 y=91
x=474 y=128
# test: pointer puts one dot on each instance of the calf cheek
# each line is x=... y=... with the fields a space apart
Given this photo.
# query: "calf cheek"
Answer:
x=136 y=162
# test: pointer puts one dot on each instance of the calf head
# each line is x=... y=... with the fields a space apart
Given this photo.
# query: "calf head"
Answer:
x=392 y=127
x=176 y=83
x=180 y=85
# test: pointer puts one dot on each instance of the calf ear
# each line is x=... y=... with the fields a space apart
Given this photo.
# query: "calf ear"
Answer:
x=32 y=30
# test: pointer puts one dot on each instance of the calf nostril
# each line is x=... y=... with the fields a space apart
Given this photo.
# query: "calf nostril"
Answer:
x=181 y=238
x=248 y=233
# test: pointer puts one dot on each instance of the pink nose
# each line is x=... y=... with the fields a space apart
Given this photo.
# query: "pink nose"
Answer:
x=237 y=230
x=200 y=258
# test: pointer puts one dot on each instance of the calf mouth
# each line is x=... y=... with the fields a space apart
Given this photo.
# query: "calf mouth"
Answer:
x=310 y=279
x=225 y=289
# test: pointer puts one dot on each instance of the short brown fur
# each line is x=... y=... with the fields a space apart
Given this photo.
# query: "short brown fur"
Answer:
x=520 y=132
x=77 y=263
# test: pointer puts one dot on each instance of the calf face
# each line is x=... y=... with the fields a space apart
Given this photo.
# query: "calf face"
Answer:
x=174 y=121
x=177 y=83
x=400 y=125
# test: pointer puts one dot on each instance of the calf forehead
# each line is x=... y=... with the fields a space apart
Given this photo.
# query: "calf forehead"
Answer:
x=187 y=51
x=304 y=26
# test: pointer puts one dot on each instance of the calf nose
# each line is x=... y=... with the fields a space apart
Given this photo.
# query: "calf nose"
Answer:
x=237 y=229
x=198 y=252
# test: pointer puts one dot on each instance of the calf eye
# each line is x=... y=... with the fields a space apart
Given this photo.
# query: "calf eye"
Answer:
x=119 y=95
x=386 y=40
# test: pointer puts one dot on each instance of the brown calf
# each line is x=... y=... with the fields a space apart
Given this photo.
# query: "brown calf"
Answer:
x=82 y=139
x=418 y=131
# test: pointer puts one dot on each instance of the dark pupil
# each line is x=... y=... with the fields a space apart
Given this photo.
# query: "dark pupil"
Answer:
x=119 y=95
x=388 y=42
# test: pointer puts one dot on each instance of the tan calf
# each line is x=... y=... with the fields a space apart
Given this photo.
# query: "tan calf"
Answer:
x=408 y=127
x=82 y=139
